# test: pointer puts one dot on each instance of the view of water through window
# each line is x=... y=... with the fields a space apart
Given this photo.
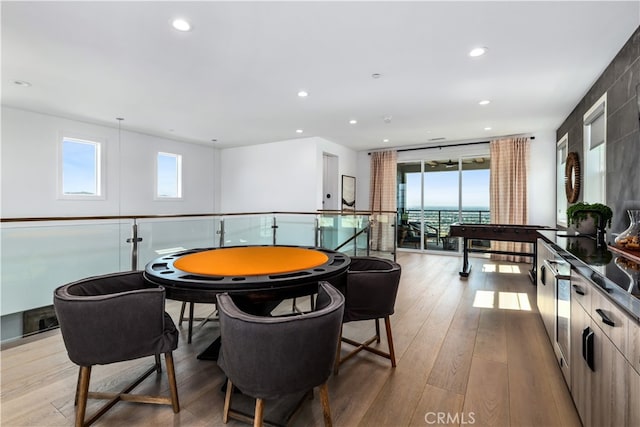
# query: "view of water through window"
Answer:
x=433 y=197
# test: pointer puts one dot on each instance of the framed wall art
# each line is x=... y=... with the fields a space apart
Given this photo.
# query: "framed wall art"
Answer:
x=348 y=193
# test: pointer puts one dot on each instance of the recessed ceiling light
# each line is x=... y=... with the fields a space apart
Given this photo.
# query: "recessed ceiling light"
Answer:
x=484 y=102
x=353 y=121
x=214 y=140
x=385 y=140
x=181 y=24
x=487 y=128
x=478 y=51
x=299 y=131
x=21 y=83
x=303 y=94
x=376 y=75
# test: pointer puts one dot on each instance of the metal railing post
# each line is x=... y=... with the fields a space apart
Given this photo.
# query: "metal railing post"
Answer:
x=395 y=238
x=317 y=233
x=134 y=248
x=221 y=233
x=368 y=233
x=274 y=227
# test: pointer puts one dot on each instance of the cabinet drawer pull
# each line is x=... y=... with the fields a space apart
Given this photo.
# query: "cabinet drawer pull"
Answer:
x=605 y=318
x=578 y=289
x=587 y=347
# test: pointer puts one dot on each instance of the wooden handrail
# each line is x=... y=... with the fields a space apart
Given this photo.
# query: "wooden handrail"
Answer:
x=115 y=217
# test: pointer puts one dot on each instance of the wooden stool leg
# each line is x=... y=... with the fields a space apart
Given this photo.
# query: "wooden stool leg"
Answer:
x=326 y=409
x=257 y=420
x=378 y=331
x=227 y=402
x=75 y=401
x=392 y=353
x=83 y=393
x=173 y=386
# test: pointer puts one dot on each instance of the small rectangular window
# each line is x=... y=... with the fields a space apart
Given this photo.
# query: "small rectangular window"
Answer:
x=169 y=176
x=80 y=168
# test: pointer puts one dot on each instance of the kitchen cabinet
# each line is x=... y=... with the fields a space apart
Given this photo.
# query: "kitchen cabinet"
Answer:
x=605 y=386
x=609 y=399
x=581 y=373
x=553 y=300
x=546 y=288
x=634 y=373
x=633 y=410
x=633 y=343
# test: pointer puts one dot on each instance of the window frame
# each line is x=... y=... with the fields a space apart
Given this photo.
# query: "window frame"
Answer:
x=598 y=109
x=562 y=147
x=179 y=180
x=100 y=170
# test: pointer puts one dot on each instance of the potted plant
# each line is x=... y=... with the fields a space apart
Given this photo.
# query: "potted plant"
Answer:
x=599 y=214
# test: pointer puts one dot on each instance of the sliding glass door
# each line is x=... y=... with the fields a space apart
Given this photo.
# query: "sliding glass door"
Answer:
x=433 y=194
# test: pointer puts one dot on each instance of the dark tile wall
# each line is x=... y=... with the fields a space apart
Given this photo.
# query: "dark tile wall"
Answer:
x=621 y=82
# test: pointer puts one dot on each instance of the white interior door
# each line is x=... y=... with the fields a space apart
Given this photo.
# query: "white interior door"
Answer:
x=331 y=195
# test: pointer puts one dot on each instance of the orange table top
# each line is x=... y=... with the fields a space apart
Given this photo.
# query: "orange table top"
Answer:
x=250 y=261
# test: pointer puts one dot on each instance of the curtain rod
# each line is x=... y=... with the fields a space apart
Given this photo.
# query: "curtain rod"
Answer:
x=448 y=145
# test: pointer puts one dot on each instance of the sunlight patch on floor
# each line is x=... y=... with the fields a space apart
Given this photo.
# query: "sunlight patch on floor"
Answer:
x=505 y=300
x=514 y=301
x=484 y=299
x=501 y=268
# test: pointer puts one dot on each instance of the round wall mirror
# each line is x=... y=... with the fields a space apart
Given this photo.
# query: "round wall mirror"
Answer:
x=572 y=177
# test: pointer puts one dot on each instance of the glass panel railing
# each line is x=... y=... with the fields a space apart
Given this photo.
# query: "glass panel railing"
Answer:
x=382 y=242
x=248 y=230
x=335 y=230
x=163 y=236
x=297 y=230
x=38 y=257
x=344 y=232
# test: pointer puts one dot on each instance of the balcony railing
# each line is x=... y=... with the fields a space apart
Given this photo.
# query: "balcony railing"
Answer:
x=441 y=219
x=434 y=234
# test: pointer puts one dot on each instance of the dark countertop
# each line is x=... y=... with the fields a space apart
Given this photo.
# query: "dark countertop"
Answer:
x=616 y=276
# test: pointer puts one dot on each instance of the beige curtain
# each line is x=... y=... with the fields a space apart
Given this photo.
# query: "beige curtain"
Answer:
x=508 y=191
x=382 y=197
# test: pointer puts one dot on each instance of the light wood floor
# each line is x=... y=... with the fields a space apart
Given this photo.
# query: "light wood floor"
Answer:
x=466 y=355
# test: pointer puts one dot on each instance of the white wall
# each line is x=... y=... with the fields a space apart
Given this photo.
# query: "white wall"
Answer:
x=279 y=176
x=29 y=170
x=542 y=179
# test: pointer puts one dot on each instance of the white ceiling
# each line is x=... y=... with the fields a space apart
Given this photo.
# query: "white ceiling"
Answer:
x=236 y=75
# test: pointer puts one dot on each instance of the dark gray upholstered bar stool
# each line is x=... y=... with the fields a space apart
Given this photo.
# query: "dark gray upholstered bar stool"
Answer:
x=370 y=294
x=272 y=357
x=113 y=318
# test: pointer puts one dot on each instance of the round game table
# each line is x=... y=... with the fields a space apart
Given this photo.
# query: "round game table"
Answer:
x=260 y=276
x=259 y=272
